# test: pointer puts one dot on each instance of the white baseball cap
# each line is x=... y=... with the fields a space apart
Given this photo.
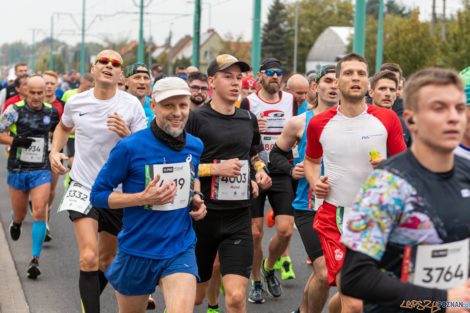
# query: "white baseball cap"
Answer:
x=169 y=87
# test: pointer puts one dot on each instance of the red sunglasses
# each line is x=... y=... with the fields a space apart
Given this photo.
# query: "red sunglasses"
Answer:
x=105 y=61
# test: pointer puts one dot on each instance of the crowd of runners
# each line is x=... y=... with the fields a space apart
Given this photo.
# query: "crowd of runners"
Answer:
x=167 y=180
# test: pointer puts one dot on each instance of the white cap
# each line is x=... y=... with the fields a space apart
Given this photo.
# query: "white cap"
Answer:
x=169 y=87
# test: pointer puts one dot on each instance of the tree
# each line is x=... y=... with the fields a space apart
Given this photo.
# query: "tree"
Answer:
x=456 y=52
x=314 y=18
x=42 y=63
x=275 y=41
x=390 y=7
x=237 y=47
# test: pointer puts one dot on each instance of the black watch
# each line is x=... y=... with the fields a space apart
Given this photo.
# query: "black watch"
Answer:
x=199 y=193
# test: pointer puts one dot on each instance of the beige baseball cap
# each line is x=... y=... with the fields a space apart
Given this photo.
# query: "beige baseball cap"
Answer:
x=169 y=87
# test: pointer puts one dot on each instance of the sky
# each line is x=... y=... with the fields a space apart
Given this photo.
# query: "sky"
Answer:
x=225 y=16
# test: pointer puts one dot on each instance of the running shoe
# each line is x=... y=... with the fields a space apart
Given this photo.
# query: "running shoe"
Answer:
x=278 y=264
x=272 y=283
x=15 y=230
x=33 y=268
x=256 y=293
x=151 y=304
x=48 y=236
x=222 y=288
x=286 y=270
x=210 y=310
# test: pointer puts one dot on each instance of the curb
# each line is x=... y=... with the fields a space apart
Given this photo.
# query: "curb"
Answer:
x=12 y=298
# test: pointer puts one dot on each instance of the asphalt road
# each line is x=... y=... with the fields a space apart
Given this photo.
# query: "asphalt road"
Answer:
x=56 y=290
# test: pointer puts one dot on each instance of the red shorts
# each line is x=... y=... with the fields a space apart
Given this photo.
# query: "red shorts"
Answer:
x=329 y=234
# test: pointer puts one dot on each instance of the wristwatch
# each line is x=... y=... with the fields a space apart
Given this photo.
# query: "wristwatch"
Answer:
x=199 y=193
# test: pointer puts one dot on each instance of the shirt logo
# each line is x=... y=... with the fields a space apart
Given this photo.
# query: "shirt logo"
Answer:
x=370 y=136
x=465 y=193
x=46 y=120
x=80 y=114
x=168 y=169
x=274 y=113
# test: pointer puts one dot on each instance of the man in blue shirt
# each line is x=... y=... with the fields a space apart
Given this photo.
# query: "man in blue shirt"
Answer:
x=160 y=195
x=138 y=84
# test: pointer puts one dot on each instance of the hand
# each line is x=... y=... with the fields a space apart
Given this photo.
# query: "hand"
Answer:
x=228 y=168
x=460 y=293
x=377 y=162
x=153 y=195
x=117 y=125
x=198 y=208
x=22 y=142
x=55 y=159
x=262 y=124
x=263 y=179
x=321 y=188
x=254 y=189
x=298 y=171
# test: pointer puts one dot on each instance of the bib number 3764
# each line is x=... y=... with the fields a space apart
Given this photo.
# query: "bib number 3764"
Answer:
x=442 y=266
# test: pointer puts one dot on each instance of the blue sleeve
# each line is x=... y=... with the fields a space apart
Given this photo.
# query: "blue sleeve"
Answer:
x=111 y=175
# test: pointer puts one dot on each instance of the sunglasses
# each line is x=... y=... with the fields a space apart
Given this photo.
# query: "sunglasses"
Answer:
x=271 y=72
x=197 y=88
x=105 y=61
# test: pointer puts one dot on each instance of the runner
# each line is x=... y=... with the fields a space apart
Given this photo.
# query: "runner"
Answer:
x=227 y=182
x=344 y=136
x=138 y=84
x=297 y=85
x=273 y=108
x=157 y=245
x=316 y=288
x=50 y=79
x=411 y=217
x=383 y=92
x=102 y=116
x=10 y=90
x=463 y=149
x=29 y=123
x=21 y=87
x=199 y=88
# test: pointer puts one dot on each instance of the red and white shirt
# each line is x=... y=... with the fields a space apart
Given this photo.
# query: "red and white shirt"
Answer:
x=276 y=114
x=345 y=143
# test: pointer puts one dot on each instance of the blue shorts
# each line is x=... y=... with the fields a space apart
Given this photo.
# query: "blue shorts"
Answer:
x=134 y=276
x=28 y=180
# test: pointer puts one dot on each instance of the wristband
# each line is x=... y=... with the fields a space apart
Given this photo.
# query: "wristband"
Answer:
x=204 y=170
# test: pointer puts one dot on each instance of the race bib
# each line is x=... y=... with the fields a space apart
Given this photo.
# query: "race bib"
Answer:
x=181 y=174
x=76 y=198
x=231 y=188
x=268 y=141
x=313 y=202
x=35 y=153
x=441 y=266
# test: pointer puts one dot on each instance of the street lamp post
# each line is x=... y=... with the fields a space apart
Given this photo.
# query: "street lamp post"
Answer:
x=379 y=52
x=359 y=27
x=256 y=42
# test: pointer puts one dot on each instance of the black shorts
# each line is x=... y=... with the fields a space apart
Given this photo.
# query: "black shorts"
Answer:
x=229 y=233
x=280 y=195
x=71 y=147
x=109 y=220
x=304 y=222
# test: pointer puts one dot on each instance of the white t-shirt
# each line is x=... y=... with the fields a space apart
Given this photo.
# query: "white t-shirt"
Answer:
x=93 y=139
x=462 y=151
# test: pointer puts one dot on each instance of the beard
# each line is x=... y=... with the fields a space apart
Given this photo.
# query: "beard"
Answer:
x=270 y=87
x=165 y=126
x=196 y=101
x=352 y=98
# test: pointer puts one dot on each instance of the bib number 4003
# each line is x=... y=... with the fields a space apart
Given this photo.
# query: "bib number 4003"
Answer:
x=239 y=179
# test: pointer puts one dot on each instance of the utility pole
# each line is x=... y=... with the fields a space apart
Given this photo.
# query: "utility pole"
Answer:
x=379 y=52
x=82 y=50
x=170 y=66
x=433 y=17
x=196 y=32
x=51 y=53
x=359 y=27
x=140 y=51
x=296 y=31
x=33 y=51
x=256 y=41
x=444 y=20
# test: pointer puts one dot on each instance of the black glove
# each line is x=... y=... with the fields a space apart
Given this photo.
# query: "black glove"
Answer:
x=22 y=142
